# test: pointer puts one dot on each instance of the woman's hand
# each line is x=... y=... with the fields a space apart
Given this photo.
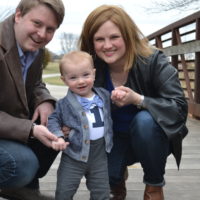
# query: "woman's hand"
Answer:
x=122 y=96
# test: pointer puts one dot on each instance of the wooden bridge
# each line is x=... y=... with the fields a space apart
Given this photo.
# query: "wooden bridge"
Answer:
x=181 y=42
x=180 y=185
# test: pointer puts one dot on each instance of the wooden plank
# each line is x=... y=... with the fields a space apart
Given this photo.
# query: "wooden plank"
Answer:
x=194 y=109
x=184 y=48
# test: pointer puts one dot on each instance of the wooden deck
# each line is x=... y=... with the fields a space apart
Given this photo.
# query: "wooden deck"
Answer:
x=180 y=185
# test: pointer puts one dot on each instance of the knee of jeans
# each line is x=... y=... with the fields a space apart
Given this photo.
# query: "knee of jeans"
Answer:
x=16 y=172
x=143 y=125
x=27 y=170
x=7 y=166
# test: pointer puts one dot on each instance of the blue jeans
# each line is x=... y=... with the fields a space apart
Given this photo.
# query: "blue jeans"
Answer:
x=22 y=164
x=145 y=143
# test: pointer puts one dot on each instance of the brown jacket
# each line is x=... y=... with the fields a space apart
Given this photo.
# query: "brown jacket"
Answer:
x=18 y=100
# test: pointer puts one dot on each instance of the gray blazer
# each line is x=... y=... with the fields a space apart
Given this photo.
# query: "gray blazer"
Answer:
x=70 y=113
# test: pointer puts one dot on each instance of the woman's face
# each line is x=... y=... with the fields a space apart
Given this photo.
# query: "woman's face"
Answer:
x=109 y=44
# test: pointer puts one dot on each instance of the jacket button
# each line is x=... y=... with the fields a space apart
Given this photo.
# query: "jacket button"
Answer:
x=85 y=126
x=83 y=114
x=84 y=157
x=87 y=141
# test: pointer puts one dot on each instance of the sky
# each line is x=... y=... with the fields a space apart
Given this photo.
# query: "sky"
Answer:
x=78 y=10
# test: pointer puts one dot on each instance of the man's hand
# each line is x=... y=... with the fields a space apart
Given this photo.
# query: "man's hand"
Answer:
x=44 y=135
x=60 y=144
x=43 y=111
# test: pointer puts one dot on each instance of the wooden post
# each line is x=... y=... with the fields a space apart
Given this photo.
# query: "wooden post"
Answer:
x=197 y=66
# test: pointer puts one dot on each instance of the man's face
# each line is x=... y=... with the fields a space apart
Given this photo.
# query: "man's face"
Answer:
x=36 y=28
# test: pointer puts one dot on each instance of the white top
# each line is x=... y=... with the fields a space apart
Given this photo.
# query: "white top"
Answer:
x=95 y=120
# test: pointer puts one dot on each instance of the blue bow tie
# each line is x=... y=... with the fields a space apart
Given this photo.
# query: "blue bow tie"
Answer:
x=86 y=104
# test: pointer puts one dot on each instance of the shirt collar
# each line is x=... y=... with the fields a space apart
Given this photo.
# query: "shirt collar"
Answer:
x=21 y=53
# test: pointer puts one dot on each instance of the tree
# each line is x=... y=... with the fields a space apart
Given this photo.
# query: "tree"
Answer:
x=180 y=5
x=68 y=42
x=47 y=58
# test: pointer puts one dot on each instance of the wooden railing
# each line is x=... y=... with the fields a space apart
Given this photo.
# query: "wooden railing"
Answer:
x=180 y=41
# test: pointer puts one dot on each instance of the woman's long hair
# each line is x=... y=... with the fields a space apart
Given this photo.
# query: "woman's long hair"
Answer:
x=136 y=43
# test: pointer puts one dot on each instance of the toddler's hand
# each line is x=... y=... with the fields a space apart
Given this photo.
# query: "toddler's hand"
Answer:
x=60 y=144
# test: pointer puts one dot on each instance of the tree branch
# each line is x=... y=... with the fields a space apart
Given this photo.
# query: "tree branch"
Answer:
x=180 y=5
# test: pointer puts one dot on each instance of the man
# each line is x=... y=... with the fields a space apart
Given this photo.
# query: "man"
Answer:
x=25 y=155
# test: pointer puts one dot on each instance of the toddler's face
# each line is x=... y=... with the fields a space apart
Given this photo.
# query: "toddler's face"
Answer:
x=79 y=78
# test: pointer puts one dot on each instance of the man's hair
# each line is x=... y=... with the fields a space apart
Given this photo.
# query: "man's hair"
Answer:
x=75 y=57
x=56 y=6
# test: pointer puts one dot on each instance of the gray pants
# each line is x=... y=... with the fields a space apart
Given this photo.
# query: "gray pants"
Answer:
x=70 y=173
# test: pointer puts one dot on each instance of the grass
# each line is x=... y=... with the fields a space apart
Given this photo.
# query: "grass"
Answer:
x=54 y=81
x=52 y=68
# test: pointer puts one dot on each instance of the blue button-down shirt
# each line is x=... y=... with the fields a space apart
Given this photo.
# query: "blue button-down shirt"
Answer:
x=26 y=59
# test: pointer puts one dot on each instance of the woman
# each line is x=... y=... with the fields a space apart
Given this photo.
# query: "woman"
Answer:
x=149 y=110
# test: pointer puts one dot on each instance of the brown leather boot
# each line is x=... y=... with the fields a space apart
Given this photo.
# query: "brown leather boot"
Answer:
x=119 y=191
x=153 y=193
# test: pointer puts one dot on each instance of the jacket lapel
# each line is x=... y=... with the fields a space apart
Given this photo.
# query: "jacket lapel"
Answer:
x=73 y=101
x=11 y=58
x=14 y=65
